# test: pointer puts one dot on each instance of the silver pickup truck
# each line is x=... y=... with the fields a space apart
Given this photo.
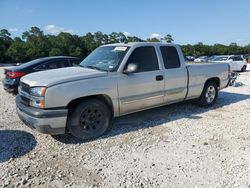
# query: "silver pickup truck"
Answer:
x=115 y=80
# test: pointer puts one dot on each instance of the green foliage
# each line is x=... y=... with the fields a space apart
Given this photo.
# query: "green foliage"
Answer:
x=217 y=49
x=153 y=40
x=134 y=39
x=34 y=44
x=5 y=35
x=168 y=38
x=55 y=52
x=77 y=52
x=5 y=42
x=17 y=51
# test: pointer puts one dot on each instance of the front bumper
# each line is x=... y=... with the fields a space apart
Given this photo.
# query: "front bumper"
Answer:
x=51 y=122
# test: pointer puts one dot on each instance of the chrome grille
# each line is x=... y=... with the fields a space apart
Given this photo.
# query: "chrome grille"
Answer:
x=25 y=101
x=24 y=88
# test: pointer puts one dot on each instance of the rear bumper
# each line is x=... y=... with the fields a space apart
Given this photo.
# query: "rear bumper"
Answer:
x=51 y=122
x=232 y=79
x=11 y=85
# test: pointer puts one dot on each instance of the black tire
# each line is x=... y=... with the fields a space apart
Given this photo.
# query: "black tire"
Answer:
x=88 y=120
x=244 y=68
x=209 y=94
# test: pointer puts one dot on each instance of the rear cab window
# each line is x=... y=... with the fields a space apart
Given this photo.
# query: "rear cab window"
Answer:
x=170 y=57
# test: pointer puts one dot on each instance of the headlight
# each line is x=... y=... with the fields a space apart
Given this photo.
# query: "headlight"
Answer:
x=37 y=95
x=38 y=91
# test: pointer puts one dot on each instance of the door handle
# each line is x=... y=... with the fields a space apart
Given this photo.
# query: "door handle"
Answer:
x=159 y=77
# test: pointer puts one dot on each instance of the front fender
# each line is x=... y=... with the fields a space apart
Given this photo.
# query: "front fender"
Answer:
x=59 y=96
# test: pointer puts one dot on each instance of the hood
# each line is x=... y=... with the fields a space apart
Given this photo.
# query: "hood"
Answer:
x=56 y=76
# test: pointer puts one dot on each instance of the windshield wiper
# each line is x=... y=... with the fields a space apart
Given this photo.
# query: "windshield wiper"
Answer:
x=92 y=67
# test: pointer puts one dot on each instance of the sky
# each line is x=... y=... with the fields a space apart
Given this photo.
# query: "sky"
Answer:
x=188 y=21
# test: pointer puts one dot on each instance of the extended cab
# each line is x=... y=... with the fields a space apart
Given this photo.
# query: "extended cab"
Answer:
x=115 y=80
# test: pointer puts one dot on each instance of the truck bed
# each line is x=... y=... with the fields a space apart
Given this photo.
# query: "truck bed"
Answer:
x=198 y=76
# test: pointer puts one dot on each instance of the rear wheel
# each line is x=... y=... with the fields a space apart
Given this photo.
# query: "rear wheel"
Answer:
x=244 y=68
x=90 y=119
x=209 y=94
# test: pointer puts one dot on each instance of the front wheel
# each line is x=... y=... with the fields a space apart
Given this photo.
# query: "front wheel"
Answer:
x=209 y=94
x=88 y=120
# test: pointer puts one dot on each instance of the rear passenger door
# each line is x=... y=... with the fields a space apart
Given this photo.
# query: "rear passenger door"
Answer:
x=175 y=75
x=144 y=88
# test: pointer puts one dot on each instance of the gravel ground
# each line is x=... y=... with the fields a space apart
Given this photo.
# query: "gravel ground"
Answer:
x=180 y=145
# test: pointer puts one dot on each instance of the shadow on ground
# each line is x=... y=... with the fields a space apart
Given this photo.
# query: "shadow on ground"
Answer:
x=160 y=115
x=14 y=144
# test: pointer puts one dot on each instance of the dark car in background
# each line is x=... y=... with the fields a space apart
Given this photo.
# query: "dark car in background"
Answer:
x=189 y=58
x=13 y=74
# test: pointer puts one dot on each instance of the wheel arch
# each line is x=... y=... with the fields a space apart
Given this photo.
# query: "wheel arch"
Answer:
x=201 y=100
x=214 y=79
x=102 y=97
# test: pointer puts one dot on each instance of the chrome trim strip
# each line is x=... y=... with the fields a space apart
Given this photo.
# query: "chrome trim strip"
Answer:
x=142 y=99
x=174 y=91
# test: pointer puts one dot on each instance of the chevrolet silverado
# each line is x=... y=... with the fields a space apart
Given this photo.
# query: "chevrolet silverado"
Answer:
x=115 y=80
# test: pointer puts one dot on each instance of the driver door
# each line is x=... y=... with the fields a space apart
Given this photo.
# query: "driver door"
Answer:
x=145 y=87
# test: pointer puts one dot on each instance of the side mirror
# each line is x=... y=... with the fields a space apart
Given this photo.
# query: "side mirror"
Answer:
x=131 y=68
x=230 y=60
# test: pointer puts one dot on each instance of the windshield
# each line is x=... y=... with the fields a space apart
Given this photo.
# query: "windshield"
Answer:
x=106 y=58
x=212 y=57
x=203 y=57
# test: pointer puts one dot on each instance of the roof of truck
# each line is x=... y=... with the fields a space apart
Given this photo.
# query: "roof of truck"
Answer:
x=139 y=43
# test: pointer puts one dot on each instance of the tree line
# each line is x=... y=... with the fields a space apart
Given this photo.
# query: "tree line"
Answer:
x=35 y=44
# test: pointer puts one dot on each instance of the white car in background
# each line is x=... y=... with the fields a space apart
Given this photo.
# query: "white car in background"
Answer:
x=236 y=62
x=201 y=59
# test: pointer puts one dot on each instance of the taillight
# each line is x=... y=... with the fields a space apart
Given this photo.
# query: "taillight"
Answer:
x=14 y=75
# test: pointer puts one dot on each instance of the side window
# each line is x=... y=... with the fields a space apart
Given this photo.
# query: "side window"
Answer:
x=235 y=58
x=53 y=64
x=145 y=58
x=41 y=67
x=59 y=64
x=170 y=57
x=238 y=58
